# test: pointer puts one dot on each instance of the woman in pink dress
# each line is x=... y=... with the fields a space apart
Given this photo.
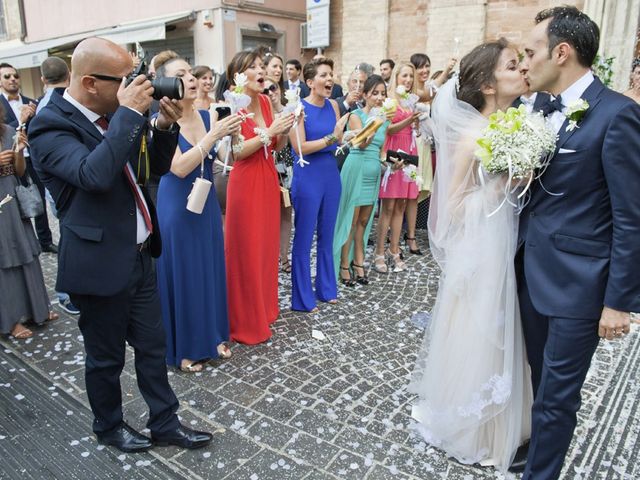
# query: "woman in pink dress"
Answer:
x=252 y=223
x=398 y=188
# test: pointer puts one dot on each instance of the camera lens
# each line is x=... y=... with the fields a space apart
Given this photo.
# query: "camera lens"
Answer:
x=170 y=87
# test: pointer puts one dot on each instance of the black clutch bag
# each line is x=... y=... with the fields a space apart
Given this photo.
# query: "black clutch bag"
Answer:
x=395 y=156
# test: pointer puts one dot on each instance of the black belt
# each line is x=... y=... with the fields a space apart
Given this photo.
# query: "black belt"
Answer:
x=144 y=245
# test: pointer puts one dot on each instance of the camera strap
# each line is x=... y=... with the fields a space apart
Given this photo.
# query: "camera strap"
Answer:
x=142 y=170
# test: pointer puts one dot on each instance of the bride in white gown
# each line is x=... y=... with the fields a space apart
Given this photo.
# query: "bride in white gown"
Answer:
x=472 y=378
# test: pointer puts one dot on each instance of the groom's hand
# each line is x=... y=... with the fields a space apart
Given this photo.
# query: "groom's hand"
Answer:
x=613 y=323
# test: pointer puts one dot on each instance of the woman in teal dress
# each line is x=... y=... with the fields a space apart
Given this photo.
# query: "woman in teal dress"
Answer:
x=360 y=179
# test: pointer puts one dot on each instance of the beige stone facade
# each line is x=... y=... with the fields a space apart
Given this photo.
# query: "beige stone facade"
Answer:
x=368 y=31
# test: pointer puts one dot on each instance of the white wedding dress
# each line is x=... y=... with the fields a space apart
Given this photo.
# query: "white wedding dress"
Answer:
x=471 y=377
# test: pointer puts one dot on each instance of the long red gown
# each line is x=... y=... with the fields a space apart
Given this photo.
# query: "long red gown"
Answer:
x=252 y=243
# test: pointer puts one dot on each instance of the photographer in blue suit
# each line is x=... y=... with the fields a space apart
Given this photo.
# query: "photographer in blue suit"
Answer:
x=580 y=232
x=87 y=145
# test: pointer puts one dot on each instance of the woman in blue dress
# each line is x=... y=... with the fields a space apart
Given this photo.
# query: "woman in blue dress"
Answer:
x=191 y=269
x=360 y=178
x=315 y=191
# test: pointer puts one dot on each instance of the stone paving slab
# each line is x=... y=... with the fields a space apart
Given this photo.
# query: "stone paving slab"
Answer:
x=296 y=407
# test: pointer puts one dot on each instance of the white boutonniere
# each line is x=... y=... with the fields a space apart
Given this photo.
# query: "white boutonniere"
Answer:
x=575 y=113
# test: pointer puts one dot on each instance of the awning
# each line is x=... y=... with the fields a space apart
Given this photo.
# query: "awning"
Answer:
x=28 y=55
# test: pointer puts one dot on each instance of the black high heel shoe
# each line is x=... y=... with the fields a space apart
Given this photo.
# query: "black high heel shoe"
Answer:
x=408 y=239
x=347 y=282
x=362 y=280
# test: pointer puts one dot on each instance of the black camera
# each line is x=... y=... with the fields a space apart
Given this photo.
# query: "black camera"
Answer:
x=170 y=87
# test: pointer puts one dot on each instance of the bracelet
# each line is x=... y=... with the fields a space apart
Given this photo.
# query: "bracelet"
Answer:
x=238 y=145
x=264 y=136
x=330 y=139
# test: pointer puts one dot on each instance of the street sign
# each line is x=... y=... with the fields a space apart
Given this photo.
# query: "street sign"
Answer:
x=317 y=23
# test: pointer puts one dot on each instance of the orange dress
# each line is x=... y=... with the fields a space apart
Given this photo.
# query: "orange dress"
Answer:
x=252 y=240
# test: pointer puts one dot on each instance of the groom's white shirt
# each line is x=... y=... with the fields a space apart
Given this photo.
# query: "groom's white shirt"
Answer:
x=570 y=95
x=529 y=101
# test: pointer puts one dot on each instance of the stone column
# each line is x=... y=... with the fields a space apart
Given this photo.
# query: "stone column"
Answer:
x=618 y=22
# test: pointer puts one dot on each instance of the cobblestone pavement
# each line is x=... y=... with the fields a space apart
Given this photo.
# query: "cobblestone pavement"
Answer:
x=302 y=408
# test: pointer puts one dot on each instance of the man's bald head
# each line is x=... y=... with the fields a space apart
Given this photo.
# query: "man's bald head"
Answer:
x=97 y=65
x=95 y=55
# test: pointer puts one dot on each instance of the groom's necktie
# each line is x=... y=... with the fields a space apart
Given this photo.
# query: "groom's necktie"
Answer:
x=552 y=106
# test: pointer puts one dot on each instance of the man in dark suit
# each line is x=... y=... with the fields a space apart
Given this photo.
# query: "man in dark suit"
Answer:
x=19 y=110
x=353 y=100
x=109 y=233
x=293 y=71
x=580 y=232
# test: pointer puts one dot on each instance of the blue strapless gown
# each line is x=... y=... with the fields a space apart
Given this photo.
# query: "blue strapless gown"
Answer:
x=191 y=269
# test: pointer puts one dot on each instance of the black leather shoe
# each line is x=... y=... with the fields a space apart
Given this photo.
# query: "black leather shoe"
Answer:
x=51 y=248
x=520 y=460
x=126 y=439
x=183 y=437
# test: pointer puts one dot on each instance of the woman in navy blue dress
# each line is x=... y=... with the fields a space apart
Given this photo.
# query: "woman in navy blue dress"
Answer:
x=191 y=269
x=315 y=190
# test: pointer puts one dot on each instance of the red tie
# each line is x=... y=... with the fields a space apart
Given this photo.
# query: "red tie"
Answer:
x=103 y=123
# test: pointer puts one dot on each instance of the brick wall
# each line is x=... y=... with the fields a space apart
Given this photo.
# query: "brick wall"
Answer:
x=369 y=30
x=407 y=27
x=454 y=27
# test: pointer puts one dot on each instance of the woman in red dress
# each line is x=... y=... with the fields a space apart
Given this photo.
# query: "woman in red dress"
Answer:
x=252 y=225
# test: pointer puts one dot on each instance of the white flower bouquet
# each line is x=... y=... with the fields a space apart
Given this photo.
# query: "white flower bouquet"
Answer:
x=407 y=100
x=236 y=98
x=295 y=106
x=515 y=142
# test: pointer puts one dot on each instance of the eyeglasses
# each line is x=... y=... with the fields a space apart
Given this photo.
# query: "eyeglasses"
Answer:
x=108 y=78
x=271 y=89
x=7 y=76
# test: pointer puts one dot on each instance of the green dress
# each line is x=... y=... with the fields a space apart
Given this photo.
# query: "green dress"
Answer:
x=360 y=177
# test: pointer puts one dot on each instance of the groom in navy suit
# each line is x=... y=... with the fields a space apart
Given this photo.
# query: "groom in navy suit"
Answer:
x=580 y=232
x=86 y=143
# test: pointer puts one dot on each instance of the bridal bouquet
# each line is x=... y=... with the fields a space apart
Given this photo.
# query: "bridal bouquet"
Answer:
x=516 y=143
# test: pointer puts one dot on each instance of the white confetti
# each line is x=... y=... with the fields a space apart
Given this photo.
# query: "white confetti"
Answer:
x=85 y=454
x=73 y=443
x=19 y=397
x=318 y=335
x=206 y=454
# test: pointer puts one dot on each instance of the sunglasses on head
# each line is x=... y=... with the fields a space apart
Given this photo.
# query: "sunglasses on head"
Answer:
x=7 y=76
x=272 y=88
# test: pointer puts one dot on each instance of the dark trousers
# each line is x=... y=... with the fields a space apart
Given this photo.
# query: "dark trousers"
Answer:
x=559 y=352
x=42 y=221
x=106 y=323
